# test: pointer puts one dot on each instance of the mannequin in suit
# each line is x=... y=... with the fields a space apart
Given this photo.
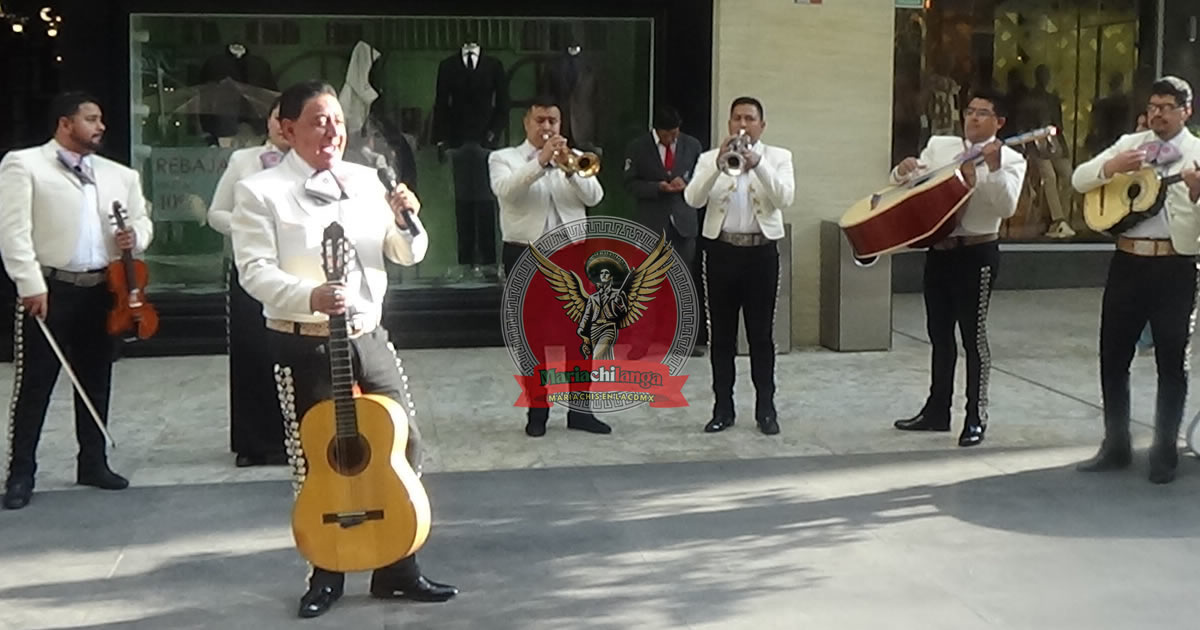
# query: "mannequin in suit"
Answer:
x=470 y=114
x=237 y=63
x=57 y=239
x=571 y=78
x=255 y=422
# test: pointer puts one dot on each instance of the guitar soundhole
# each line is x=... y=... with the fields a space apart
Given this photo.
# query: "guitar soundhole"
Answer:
x=349 y=456
x=1134 y=191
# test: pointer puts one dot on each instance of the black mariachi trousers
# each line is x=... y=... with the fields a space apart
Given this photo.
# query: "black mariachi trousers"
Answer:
x=958 y=290
x=303 y=379
x=741 y=280
x=77 y=318
x=1160 y=290
x=255 y=423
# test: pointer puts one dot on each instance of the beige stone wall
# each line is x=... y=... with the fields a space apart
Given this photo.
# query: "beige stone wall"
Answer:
x=824 y=75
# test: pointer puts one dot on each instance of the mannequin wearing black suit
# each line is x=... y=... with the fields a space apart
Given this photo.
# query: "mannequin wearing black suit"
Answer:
x=470 y=113
x=235 y=62
x=571 y=78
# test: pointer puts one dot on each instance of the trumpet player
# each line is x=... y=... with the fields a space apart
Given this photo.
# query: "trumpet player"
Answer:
x=541 y=185
x=746 y=184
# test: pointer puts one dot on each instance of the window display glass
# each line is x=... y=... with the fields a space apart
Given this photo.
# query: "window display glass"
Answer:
x=430 y=96
x=1074 y=64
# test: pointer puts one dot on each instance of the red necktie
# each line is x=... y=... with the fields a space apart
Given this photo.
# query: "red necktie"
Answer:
x=669 y=158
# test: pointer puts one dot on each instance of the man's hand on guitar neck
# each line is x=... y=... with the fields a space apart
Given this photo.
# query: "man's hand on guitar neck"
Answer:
x=1124 y=162
x=991 y=155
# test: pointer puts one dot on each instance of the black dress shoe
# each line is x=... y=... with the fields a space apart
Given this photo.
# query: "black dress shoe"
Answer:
x=1113 y=455
x=719 y=422
x=972 y=435
x=101 y=477
x=768 y=424
x=421 y=590
x=587 y=422
x=922 y=422
x=535 y=428
x=18 y=494
x=317 y=601
x=1163 y=461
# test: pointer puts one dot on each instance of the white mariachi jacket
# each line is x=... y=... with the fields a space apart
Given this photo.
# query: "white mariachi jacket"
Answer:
x=40 y=208
x=277 y=230
x=772 y=188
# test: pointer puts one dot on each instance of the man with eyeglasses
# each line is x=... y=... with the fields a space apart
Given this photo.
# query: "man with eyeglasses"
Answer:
x=961 y=269
x=1152 y=278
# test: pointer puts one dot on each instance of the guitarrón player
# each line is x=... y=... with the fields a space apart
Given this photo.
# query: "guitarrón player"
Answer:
x=1152 y=278
x=279 y=216
x=961 y=269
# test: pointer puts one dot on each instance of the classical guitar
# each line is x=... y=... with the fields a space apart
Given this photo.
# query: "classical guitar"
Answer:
x=1126 y=200
x=919 y=212
x=127 y=279
x=361 y=506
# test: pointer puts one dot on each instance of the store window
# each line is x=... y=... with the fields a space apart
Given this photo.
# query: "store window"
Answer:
x=201 y=85
x=1074 y=64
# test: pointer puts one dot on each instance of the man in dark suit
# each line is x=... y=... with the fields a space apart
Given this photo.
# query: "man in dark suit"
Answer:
x=658 y=166
x=469 y=115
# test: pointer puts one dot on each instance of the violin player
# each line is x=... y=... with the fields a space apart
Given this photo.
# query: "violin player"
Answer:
x=279 y=218
x=57 y=240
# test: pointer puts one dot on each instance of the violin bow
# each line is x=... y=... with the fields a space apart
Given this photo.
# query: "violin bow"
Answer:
x=75 y=381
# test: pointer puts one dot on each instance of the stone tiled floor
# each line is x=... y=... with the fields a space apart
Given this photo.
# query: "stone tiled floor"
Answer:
x=839 y=522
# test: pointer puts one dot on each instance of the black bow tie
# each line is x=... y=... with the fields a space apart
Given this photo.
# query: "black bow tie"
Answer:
x=325 y=187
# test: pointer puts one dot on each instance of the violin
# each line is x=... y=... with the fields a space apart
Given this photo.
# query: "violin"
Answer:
x=127 y=280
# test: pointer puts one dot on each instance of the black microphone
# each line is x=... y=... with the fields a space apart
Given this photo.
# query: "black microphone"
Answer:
x=387 y=177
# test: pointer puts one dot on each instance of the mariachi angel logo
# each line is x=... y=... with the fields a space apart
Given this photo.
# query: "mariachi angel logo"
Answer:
x=601 y=315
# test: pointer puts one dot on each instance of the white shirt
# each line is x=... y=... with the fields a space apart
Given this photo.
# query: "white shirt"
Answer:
x=91 y=250
x=553 y=216
x=1157 y=226
x=467 y=61
x=740 y=218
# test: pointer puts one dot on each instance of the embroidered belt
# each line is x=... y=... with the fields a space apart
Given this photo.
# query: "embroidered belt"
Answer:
x=312 y=329
x=954 y=242
x=91 y=278
x=743 y=240
x=1146 y=246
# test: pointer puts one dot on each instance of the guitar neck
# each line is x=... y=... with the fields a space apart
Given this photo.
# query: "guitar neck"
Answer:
x=1017 y=140
x=341 y=371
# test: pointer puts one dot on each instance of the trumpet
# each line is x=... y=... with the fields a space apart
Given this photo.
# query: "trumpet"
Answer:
x=576 y=162
x=731 y=162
